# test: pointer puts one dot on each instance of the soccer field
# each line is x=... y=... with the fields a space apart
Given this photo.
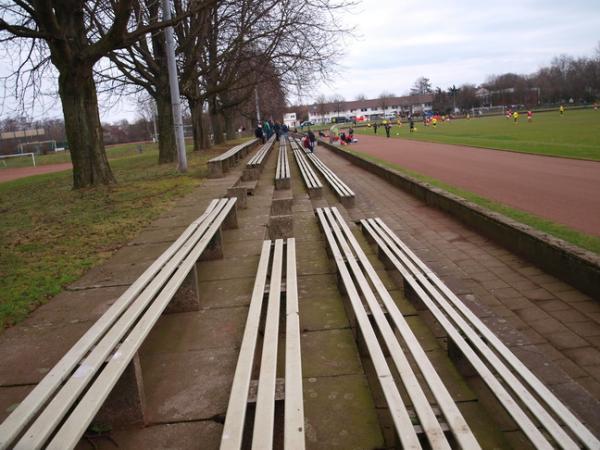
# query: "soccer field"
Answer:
x=576 y=134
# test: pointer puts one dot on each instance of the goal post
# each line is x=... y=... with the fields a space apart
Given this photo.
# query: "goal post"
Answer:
x=5 y=160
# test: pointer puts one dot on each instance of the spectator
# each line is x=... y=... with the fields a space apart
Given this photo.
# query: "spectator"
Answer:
x=277 y=130
x=259 y=133
x=312 y=140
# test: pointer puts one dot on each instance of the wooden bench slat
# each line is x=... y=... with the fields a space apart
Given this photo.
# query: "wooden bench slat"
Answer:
x=529 y=377
x=427 y=417
x=294 y=405
x=528 y=427
x=38 y=397
x=75 y=425
x=452 y=414
x=311 y=180
x=398 y=411
x=108 y=329
x=233 y=429
x=282 y=173
x=334 y=181
x=262 y=437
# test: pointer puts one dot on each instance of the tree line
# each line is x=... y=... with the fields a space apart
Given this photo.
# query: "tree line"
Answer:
x=228 y=51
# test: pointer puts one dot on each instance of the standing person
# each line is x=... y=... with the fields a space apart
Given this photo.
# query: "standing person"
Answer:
x=312 y=140
x=516 y=117
x=561 y=110
x=375 y=127
x=259 y=133
x=277 y=130
x=411 y=124
x=267 y=129
x=387 y=127
x=529 y=116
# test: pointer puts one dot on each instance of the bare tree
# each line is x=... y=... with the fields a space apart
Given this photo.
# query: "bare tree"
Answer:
x=421 y=86
x=337 y=101
x=384 y=99
x=321 y=105
x=74 y=35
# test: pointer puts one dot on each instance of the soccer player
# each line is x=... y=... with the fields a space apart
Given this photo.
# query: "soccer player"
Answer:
x=529 y=116
x=561 y=110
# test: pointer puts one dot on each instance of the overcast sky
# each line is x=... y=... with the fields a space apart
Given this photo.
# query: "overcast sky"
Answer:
x=458 y=41
x=448 y=41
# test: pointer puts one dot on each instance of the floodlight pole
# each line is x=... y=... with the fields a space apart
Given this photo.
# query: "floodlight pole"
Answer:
x=174 y=88
x=257 y=106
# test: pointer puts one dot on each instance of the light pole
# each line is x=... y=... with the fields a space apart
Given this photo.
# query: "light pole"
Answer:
x=174 y=88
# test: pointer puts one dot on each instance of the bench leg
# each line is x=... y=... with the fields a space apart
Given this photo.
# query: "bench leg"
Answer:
x=215 y=169
x=125 y=405
x=214 y=249
x=241 y=194
x=187 y=297
x=281 y=227
x=230 y=221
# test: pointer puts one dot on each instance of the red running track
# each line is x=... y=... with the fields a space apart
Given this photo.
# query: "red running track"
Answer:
x=22 y=172
x=566 y=191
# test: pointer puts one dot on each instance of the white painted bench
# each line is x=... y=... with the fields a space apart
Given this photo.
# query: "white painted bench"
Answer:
x=218 y=165
x=528 y=401
x=255 y=164
x=277 y=267
x=311 y=180
x=361 y=284
x=282 y=174
x=60 y=408
x=341 y=189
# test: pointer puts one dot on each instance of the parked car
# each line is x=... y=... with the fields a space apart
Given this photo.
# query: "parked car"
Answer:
x=307 y=123
x=339 y=119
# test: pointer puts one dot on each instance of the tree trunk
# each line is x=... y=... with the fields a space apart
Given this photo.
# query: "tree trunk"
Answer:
x=167 y=149
x=230 y=128
x=201 y=141
x=82 y=125
x=215 y=121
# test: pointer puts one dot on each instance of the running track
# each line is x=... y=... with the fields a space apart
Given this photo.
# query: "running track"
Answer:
x=22 y=172
x=563 y=190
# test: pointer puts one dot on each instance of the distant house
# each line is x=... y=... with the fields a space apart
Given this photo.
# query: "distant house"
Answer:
x=290 y=120
x=371 y=109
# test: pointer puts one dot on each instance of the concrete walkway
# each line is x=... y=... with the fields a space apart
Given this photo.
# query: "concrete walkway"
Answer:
x=189 y=358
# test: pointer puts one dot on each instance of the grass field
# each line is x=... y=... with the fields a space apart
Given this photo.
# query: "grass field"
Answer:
x=574 y=135
x=50 y=234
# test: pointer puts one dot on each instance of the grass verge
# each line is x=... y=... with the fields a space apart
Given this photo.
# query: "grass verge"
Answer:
x=50 y=234
x=565 y=233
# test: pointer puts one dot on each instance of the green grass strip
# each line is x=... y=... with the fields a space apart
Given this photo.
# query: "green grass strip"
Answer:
x=50 y=234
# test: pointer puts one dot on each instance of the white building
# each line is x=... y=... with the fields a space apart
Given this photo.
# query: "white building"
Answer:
x=373 y=109
x=290 y=120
